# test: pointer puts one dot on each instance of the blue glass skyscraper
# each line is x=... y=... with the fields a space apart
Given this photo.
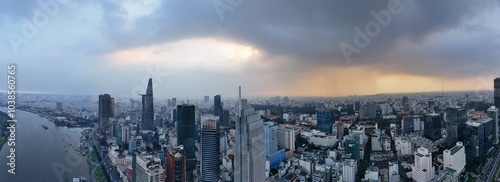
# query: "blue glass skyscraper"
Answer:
x=147 y=120
x=324 y=120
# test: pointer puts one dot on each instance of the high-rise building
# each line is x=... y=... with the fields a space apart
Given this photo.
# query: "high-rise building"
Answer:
x=407 y=124
x=106 y=107
x=148 y=169
x=422 y=170
x=59 y=106
x=226 y=119
x=249 y=158
x=270 y=137
x=493 y=112
x=274 y=155
x=432 y=126
x=474 y=141
x=349 y=169
x=324 y=120
x=206 y=98
x=286 y=137
x=218 y=111
x=351 y=147
x=454 y=158
x=147 y=119
x=210 y=146
x=405 y=103
x=186 y=134
x=455 y=125
x=175 y=165
x=496 y=86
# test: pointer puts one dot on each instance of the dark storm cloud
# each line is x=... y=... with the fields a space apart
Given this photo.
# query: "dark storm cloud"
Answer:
x=308 y=32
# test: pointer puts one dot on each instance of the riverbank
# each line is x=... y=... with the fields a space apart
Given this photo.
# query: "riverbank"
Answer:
x=4 y=133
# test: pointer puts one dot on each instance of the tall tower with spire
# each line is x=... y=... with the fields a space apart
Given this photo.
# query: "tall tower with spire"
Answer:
x=147 y=119
x=250 y=156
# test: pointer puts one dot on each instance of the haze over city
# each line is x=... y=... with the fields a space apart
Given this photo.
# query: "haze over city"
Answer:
x=270 y=48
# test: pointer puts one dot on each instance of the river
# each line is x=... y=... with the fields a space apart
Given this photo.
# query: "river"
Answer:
x=43 y=155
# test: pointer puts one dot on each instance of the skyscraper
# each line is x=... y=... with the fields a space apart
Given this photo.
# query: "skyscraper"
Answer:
x=270 y=137
x=455 y=125
x=206 y=98
x=454 y=158
x=493 y=112
x=351 y=147
x=422 y=170
x=147 y=120
x=218 y=111
x=324 y=120
x=432 y=126
x=210 y=146
x=249 y=158
x=496 y=85
x=226 y=119
x=186 y=133
x=106 y=107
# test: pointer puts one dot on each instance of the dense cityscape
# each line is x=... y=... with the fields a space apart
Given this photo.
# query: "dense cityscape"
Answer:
x=447 y=136
x=249 y=91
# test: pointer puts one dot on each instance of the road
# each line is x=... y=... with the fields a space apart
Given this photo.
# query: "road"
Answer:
x=105 y=162
x=491 y=173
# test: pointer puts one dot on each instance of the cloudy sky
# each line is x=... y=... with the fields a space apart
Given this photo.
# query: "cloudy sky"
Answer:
x=193 y=48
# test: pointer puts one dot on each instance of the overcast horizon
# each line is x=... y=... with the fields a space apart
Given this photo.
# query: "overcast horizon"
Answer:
x=270 y=48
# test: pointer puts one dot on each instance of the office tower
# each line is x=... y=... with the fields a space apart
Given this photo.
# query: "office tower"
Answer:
x=493 y=112
x=106 y=105
x=474 y=141
x=454 y=158
x=496 y=86
x=175 y=170
x=274 y=155
x=270 y=137
x=59 y=106
x=351 y=147
x=249 y=158
x=349 y=169
x=125 y=133
x=405 y=103
x=286 y=137
x=218 y=111
x=368 y=111
x=117 y=109
x=147 y=119
x=324 y=120
x=148 y=169
x=206 y=98
x=432 y=126
x=455 y=125
x=226 y=119
x=408 y=124
x=210 y=146
x=173 y=115
x=186 y=133
x=422 y=170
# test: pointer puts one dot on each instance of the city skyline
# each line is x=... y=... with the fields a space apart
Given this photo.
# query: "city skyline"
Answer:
x=209 y=54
